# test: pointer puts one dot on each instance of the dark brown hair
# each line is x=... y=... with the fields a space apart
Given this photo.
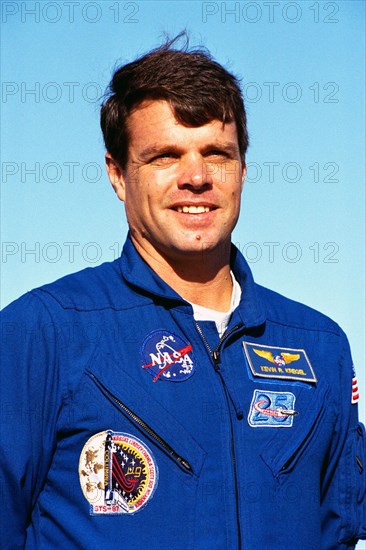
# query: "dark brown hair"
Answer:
x=198 y=88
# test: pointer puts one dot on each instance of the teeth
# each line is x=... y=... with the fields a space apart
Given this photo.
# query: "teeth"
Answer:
x=193 y=209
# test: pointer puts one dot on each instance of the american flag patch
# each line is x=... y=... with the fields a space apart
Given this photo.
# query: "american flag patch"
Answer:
x=355 y=391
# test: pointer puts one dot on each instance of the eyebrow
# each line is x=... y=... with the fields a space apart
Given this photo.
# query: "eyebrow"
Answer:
x=159 y=148
x=227 y=147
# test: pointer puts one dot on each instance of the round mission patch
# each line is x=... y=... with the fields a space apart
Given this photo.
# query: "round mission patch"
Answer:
x=167 y=356
x=118 y=473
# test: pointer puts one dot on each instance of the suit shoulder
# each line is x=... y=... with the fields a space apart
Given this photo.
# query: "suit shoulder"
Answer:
x=93 y=288
x=286 y=311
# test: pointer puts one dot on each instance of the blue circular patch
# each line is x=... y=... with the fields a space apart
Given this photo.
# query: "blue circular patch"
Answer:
x=167 y=356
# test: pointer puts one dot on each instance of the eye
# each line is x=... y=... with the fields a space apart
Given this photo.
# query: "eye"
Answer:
x=165 y=157
x=217 y=154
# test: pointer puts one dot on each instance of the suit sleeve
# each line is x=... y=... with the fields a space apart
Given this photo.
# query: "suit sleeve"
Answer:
x=29 y=397
x=344 y=501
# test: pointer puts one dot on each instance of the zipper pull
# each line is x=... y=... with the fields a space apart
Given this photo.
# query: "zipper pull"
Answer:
x=184 y=463
x=216 y=359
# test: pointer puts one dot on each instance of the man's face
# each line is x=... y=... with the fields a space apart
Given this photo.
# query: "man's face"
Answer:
x=181 y=185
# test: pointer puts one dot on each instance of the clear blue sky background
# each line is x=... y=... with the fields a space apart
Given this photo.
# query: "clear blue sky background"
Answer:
x=303 y=74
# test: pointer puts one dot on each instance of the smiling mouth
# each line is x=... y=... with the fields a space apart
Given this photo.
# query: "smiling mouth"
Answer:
x=193 y=209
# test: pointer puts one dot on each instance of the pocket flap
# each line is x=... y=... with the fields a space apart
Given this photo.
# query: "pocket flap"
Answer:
x=279 y=455
x=104 y=372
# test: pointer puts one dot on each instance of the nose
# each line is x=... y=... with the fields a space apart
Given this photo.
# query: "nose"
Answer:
x=193 y=172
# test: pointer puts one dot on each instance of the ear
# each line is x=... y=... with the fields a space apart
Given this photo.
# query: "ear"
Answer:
x=116 y=177
x=243 y=174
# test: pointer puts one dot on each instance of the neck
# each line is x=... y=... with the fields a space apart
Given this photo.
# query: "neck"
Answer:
x=213 y=291
x=204 y=280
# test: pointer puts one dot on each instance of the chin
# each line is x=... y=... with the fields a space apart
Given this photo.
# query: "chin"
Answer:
x=197 y=247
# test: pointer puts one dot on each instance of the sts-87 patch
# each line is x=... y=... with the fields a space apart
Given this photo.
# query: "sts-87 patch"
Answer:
x=272 y=409
x=278 y=363
x=118 y=473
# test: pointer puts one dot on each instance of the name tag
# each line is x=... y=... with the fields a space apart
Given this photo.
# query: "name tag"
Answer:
x=279 y=363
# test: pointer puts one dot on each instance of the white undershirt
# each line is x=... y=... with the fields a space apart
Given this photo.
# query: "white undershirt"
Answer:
x=221 y=318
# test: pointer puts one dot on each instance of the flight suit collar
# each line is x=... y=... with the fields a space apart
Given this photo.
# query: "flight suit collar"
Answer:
x=137 y=273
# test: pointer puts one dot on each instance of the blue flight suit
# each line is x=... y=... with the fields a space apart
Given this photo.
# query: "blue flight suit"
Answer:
x=125 y=423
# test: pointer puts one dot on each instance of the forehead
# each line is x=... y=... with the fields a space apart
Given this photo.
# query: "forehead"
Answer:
x=154 y=121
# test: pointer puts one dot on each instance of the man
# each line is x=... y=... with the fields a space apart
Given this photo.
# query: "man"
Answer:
x=165 y=400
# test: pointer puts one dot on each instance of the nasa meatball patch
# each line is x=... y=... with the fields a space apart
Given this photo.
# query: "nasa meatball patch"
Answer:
x=166 y=356
x=118 y=473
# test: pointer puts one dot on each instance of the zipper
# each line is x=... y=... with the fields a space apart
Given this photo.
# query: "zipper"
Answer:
x=216 y=358
x=215 y=354
x=301 y=446
x=235 y=481
x=182 y=461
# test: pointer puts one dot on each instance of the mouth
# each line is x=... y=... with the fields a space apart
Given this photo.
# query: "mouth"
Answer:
x=193 y=209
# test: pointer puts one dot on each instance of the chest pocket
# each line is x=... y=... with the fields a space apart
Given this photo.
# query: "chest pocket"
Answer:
x=145 y=414
x=283 y=451
x=129 y=412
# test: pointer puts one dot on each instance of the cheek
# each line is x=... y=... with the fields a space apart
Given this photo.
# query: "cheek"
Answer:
x=235 y=194
x=136 y=190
